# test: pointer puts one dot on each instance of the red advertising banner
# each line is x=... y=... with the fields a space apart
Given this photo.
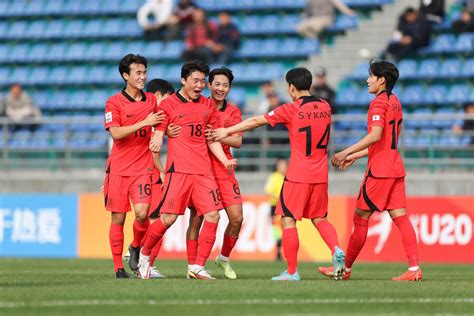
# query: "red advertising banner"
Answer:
x=443 y=226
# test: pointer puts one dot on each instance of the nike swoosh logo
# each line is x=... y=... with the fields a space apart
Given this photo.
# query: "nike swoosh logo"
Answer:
x=181 y=116
x=130 y=115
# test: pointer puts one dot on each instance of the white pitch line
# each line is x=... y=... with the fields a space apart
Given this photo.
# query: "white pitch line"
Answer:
x=273 y=301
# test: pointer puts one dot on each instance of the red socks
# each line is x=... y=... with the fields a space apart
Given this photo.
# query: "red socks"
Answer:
x=139 y=231
x=206 y=240
x=155 y=251
x=157 y=230
x=291 y=243
x=357 y=241
x=228 y=245
x=328 y=233
x=408 y=239
x=191 y=250
x=116 y=245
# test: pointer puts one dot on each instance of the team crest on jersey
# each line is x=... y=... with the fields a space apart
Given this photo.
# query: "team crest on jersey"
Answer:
x=271 y=113
x=108 y=117
x=227 y=124
x=376 y=118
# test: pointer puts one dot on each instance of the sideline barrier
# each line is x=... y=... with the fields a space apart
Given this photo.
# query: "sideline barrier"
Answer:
x=77 y=226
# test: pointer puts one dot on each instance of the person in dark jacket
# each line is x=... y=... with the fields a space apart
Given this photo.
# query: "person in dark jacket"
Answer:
x=413 y=32
x=227 y=39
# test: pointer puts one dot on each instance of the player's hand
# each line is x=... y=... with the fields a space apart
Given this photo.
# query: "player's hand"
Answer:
x=154 y=118
x=156 y=144
x=338 y=158
x=173 y=130
x=230 y=164
x=101 y=189
x=347 y=163
x=210 y=133
x=220 y=133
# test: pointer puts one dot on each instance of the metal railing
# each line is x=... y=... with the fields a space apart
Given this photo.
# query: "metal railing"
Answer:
x=426 y=149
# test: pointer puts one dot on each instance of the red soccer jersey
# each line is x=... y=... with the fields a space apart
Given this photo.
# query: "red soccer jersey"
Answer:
x=188 y=153
x=384 y=159
x=229 y=115
x=308 y=121
x=130 y=156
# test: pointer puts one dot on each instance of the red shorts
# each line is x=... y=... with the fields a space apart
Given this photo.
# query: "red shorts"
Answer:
x=181 y=190
x=229 y=191
x=120 y=190
x=303 y=200
x=380 y=194
x=156 y=195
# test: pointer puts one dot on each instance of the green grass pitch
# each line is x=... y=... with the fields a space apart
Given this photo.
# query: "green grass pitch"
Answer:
x=89 y=287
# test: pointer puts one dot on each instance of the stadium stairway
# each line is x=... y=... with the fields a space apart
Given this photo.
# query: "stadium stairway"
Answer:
x=371 y=35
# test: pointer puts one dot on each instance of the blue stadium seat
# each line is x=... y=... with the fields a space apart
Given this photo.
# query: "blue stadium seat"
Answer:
x=16 y=8
x=451 y=68
x=269 y=24
x=97 y=74
x=38 y=52
x=237 y=96
x=136 y=47
x=112 y=27
x=77 y=74
x=412 y=95
x=55 y=28
x=91 y=7
x=468 y=68
x=20 y=139
x=459 y=93
x=420 y=118
x=39 y=75
x=74 y=28
x=77 y=51
x=429 y=68
x=17 y=30
x=3 y=27
x=36 y=29
x=19 y=53
x=56 y=52
x=96 y=51
x=53 y=7
x=443 y=123
x=348 y=96
x=288 y=23
x=115 y=51
x=465 y=43
x=93 y=28
x=35 y=8
x=20 y=74
x=443 y=43
x=156 y=71
x=4 y=75
x=357 y=122
x=59 y=137
x=80 y=99
x=40 y=140
x=154 y=50
x=408 y=68
x=249 y=48
x=60 y=98
x=361 y=71
x=41 y=99
x=72 y=7
x=342 y=23
x=435 y=94
x=250 y=25
x=59 y=75
x=98 y=139
x=172 y=50
x=97 y=99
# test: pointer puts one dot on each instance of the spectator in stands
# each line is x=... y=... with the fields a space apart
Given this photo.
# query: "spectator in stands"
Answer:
x=322 y=90
x=19 y=107
x=199 y=40
x=160 y=12
x=181 y=17
x=465 y=23
x=227 y=39
x=432 y=10
x=274 y=102
x=319 y=14
x=467 y=125
x=413 y=32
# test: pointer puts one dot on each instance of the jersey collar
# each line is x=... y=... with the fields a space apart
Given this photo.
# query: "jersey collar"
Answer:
x=224 y=106
x=183 y=99
x=125 y=94
x=385 y=91
x=308 y=98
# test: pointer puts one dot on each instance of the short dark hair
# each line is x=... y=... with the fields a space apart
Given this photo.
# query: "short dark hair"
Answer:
x=127 y=60
x=161 y=86
x=300 y=77
x=192 y=66
x=221 y=71
x=386 y=69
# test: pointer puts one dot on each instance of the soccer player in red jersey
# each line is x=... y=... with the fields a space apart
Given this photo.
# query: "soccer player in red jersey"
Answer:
x=220 y=82
x=189 y=178
x=129 y=117
x=383 y=187
x=305 y=190
x=162 y=89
